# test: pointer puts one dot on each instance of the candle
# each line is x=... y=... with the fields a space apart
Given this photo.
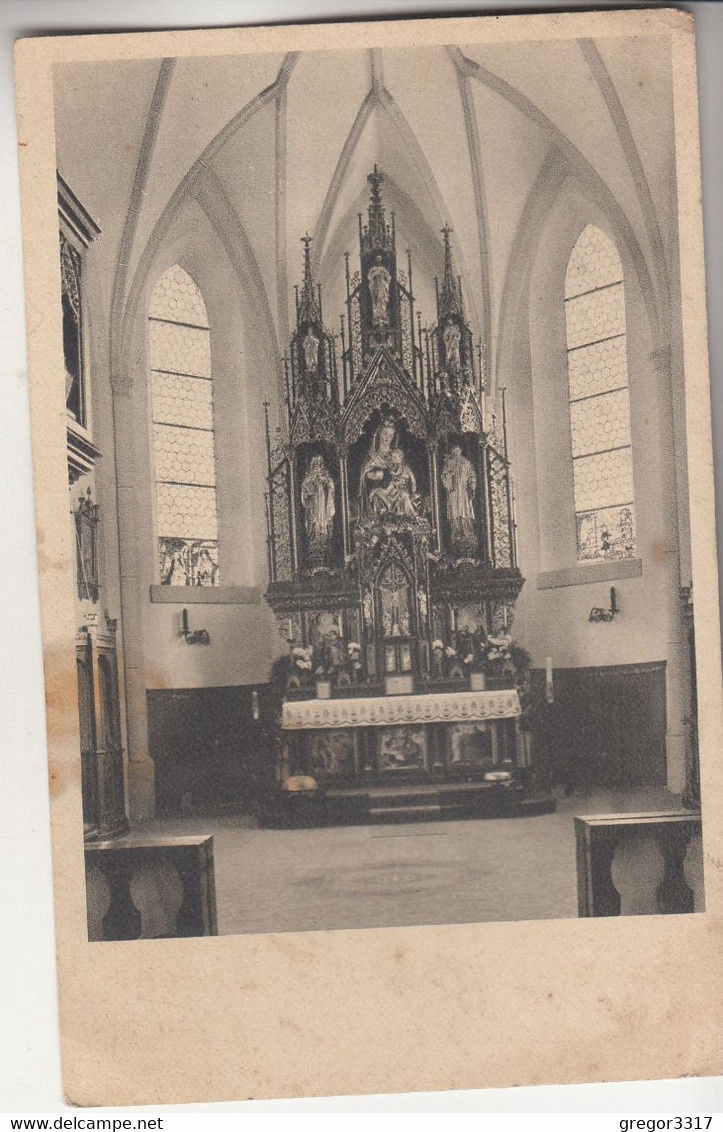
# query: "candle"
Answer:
x=184 y=622
x=549 y=686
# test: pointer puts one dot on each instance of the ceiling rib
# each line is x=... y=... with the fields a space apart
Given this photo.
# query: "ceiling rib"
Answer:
x=587 y=174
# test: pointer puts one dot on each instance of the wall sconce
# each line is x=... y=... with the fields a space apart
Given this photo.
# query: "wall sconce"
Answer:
x=598 y=614
x=197 y=637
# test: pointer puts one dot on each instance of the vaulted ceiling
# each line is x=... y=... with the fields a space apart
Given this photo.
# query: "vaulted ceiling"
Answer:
x=286 y=141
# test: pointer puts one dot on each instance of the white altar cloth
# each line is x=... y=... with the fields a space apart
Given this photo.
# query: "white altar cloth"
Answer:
x=382 y=711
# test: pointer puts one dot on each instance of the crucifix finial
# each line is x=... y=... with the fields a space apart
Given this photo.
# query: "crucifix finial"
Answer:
x=375 y=179
x=306 y=241
x=309 y=306
x=450 y=296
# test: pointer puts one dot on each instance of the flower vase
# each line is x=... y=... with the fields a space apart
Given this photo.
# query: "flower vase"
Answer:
x=323 y=689
x=477 y=681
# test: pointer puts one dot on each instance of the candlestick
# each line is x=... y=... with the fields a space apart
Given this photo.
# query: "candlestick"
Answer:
x=549 y=686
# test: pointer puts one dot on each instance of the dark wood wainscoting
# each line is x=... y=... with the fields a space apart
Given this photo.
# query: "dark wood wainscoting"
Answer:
x=606 y=726
x=211 y=756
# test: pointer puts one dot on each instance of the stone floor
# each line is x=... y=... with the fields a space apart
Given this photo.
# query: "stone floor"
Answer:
x=399 y=875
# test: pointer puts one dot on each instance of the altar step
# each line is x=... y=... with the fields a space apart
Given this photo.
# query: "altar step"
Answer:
x=442 y=802
x=409 y=797
x=375 y=805
x=387 y=813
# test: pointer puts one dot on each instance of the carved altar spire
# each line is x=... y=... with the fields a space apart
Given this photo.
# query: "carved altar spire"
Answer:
x=377 y=235
x=449 y=299
x=376 y=208
x=309 y=301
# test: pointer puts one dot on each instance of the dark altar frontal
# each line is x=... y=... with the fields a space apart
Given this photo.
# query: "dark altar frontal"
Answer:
x=392 y=559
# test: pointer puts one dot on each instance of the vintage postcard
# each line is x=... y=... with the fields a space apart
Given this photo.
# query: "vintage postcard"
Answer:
x=373 y=468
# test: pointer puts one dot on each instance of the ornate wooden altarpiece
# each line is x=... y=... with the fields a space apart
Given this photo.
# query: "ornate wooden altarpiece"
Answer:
x=389 y=503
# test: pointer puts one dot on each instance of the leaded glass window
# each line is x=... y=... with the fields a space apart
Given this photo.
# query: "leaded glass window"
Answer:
x=184 y=451
x=602 y=457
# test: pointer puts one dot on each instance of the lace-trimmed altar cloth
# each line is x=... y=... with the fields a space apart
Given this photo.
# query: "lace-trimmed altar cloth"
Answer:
x=379 y=711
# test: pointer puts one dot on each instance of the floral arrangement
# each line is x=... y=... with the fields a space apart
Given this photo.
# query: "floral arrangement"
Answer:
x=324 y=662
x=446 y=650
x=302 y=658
x=497 y=656
x=443 y=657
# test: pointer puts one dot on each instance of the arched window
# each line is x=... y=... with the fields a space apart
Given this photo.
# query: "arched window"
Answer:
x=602 y=456
x=184 y=454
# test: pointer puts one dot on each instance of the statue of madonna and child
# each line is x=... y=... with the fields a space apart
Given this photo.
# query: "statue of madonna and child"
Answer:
x=387 y=485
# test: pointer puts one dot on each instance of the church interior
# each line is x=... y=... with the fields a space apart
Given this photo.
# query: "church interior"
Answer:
x=377 y=465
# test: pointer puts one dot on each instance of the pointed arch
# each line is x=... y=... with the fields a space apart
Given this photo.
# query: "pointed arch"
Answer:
x=599 y=399
x=182 y=432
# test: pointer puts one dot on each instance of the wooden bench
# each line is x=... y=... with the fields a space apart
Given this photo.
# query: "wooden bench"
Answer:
x=639 y=864
x=150 y=888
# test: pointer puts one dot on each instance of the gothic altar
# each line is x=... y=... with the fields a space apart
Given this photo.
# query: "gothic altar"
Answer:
x=391 y=531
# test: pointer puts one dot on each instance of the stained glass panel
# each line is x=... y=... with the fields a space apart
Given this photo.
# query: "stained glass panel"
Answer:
x=181 y=400
x=607 y=533
x=596 y=315
x=177 y=299
x=184 y=455
x=180 y=349
x=185 y=511
x=183 y=437
x=603 y=480
x=598 y=368
x=188 y=562
x=594 y=263
x=599 y=423
x=599 y=399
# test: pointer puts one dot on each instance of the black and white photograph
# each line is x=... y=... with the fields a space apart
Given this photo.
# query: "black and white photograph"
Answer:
x=388 y=502
x=377 y=464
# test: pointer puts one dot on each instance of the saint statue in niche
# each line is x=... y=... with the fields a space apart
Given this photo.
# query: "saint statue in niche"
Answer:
x=368 y=608
x=387 y=485
x=310 y=344
x=397 y=495
x=375 y=466
x=422 y=601
x=379 y=281
x=451 y=337
x=318 y=500
x=460 y=482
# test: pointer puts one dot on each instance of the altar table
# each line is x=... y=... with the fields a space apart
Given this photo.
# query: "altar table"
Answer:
x=384 y=711
x=434 y=736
